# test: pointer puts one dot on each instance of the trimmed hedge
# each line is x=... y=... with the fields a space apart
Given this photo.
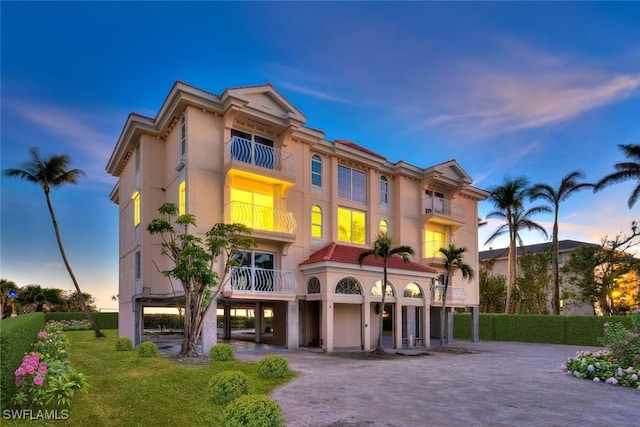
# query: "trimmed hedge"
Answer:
x=17 y=334
x=537 y=328
x=103 y=320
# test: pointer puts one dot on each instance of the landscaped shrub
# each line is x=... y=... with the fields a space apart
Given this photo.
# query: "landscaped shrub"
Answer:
x=103 y=320
x=252 y=411
x=228 y=386
x=51 y=343
x=17 y=334
x=72 y=325
x=163 y=321
x=124 y=344
x=221 y=353
x=273 y=366
x=147 y=349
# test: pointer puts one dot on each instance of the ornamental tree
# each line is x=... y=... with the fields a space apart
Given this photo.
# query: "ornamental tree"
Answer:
x=193 y=258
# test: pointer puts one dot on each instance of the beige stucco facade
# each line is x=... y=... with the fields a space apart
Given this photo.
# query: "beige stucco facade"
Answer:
x=247 y=156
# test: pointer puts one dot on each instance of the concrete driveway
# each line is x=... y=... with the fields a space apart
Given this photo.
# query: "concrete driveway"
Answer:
x=499 y=384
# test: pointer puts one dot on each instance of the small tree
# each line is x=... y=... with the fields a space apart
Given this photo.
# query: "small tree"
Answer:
x=453 y=261
x=383 y=248
x=193 y=259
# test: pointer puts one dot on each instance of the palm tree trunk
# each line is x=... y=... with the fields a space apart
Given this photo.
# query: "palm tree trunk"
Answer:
x=555 y=301
x=443 y=311
x=380 y=349
x=83 y=303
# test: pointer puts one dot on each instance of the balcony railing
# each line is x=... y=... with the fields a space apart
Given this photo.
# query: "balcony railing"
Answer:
x=260 y=155
x=454 y=295
x=438 y=205
x=261 y=217
x=262 y=280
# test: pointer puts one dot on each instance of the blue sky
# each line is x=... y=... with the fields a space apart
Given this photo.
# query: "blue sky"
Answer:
x=507 y=89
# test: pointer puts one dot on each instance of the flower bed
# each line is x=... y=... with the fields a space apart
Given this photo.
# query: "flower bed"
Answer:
x=619 y=364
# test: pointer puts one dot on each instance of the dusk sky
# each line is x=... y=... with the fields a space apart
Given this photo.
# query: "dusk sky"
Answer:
x=507 y=89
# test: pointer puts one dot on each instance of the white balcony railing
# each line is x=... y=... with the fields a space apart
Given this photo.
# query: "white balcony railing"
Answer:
x=438 y=205
x=454 y=295
x=256 y=154
x=261 y=217
x=262 y=280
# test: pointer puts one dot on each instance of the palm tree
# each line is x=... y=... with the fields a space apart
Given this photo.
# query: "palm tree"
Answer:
x=554 y=196
x=51 y=173
x=453 y=261
x=508 y=200
x=625 y=171
x=383 y=248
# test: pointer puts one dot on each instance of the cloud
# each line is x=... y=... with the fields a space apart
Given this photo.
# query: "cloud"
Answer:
x=312 y=92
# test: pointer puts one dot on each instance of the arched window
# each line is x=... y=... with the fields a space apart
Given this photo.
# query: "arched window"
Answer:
x=383 y=228
x=348 y=286
x=412 y=290
x=376 y=291
x=316 y=222
x=313 y=286
x=316 y=171
x=183 y=135
x=384 y=190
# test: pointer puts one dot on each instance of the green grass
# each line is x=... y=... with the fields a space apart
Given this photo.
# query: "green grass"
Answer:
x=127 y=390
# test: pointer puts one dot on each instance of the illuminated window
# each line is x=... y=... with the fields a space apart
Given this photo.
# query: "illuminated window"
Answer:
x=383 y=228
x=384 y=190
x=316 y=222
x=252 y=208
x=136 y=208
x=433 y=241
x=138 y=266
x=351 y=184
x=376 y=291
x=351 y=226
x=183 y=135
x=182 y=194
x=412 y=290
x=348 y=286
x=316 y=170
x=313 y=287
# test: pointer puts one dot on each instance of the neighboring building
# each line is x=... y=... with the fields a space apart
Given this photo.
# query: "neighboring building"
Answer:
x=565 y=249
x=314 y=205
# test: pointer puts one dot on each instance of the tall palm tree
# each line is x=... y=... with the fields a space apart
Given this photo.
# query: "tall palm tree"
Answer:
x=625 y=171
x=453 y=261
x=554 y=196
x=509 y=199
x=383 y=248
x=51 y=173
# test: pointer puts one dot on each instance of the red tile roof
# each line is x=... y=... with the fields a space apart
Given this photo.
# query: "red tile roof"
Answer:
x=359 y=148
x=349 y=255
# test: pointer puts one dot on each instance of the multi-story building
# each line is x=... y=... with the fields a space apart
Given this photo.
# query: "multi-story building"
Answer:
x=314 y=205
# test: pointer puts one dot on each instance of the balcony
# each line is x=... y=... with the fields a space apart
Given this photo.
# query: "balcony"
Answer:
x=432 y=254
x=245 y=282
x=443 y=211
x=266 y=223
x=455 y=296
x=250 y=156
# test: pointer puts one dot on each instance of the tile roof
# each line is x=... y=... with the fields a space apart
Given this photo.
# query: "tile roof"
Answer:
x=349 y=255
x=563 y=245
x=359 y=148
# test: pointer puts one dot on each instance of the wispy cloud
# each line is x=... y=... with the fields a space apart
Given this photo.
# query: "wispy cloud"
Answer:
x=312 y=92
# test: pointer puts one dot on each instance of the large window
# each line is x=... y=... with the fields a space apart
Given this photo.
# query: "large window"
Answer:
x=316 y=222
x=434 y=240
x=352 y=184
x=136 y=156
x=252 y=208
x=352 y=226
x=183 y=135
x=136 y=208
x=384 y=190
x=348 y=286
x=316 y=171
x=376 y=290
x=412 y=290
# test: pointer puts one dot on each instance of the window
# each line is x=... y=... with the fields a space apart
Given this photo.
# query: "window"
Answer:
x=348 y=286
x=183 y=135
x=137 y=157
x=351 y=184
x=376 y=291
x=383 y=228
x=138 y=266
x=253 y=209
x=136 y=208
x=434 y=240
x=313 y=287
x=384 y=190
x=252 y=149
x=351 y=226
x=412 y=290
x=316 y=170
x=182 y=194
x=255 y=272
x=316 y=222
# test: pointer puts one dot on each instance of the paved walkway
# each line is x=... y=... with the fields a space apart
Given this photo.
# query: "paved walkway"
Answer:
x=499 y=384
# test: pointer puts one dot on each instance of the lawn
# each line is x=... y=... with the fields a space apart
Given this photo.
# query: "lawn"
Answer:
x=127 y=390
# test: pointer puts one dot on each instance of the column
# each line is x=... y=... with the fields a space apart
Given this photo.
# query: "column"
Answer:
x=426 y=321
x=397 y=326
x=366 y=325
x=449 y=323
x=327 y=325
x=259 y=322
x=475 y=323
x=293 y=320
x=411 y=325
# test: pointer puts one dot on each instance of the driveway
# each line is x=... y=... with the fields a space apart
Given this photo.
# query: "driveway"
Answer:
x=498 y=384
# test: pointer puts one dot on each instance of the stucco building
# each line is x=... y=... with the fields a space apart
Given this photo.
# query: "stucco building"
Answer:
x=313 y=204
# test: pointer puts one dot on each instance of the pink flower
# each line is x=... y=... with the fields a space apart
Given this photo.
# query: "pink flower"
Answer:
x=42 y=334
x=18 y=381
x=42 y=369
x=38 y=380
x=30 y=370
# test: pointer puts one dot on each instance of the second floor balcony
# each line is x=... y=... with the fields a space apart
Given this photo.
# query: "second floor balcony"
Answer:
x=455 y=296
x=261 y=218
x=443 y=210
x=253 y=156
x=260 y=280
